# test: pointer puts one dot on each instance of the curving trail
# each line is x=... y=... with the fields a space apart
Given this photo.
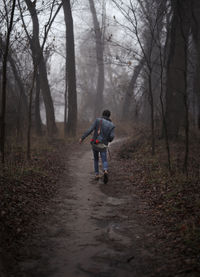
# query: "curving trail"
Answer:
x=86 y=235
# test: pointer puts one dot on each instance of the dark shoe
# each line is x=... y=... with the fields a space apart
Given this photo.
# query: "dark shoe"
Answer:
x=105 y=177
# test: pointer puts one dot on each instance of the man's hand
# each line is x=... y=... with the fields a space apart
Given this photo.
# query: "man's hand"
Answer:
x=80 y=140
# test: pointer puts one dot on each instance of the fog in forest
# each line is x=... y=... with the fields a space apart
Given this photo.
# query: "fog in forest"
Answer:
x=122 y=59
x=62 y=63
x=67 y=61
x=86 y=61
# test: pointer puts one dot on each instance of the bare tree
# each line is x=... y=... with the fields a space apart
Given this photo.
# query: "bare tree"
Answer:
x=38 y=120
x=70 y=70
x=39 y=62
x=147 y=50
x=99 y=40
x=39 y=71
x=4 y=81
x=185 y=19
x=22 y=101
x=65 y=99
x=195 y=6
x=130 y=89
x=177 y=69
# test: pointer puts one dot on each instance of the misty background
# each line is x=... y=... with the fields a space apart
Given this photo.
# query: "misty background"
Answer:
x=67 y=61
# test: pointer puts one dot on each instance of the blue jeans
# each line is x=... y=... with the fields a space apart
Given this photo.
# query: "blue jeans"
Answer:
x=96 y=160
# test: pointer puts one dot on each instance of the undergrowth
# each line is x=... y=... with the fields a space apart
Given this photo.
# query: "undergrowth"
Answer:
x=26 y=186
x=174 y=197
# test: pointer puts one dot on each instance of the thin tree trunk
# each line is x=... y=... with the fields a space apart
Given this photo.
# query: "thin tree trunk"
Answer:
x=152 y=114
x=4 y=81
x=162 y=106
x=175 y=110
x=129 y=92
x=100 y=61
x=38 y=121
x=185 y=166
x=28 y=153
x=198 y=113
x=196 y=36
x=37 y=53
x=71 y=69
x=17 y=78
x=65 y=113
x=65 y=97
x=23 y=101
x=185 y=22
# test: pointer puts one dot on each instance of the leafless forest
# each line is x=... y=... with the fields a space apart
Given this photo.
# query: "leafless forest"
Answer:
x=139 y=58
x=62 y=62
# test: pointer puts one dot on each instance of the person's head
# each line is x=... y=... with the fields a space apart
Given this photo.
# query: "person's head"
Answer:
x=106 y=113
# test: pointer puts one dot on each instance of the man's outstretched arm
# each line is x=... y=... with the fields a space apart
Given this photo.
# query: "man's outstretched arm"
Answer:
x=88 y=132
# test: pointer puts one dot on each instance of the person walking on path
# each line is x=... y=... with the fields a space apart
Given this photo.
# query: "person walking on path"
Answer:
x=103 y=129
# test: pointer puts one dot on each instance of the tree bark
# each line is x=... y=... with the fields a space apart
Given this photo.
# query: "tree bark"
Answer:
x=129 y=92
x=28 y=152
x=177 y=66
x=4 y=81
x=17 y=77
x=65 y=112
x=151 y=101
x=38 y=60
x=23 y=101
x=70 y=69
x=100 y=61
x=196 y=37
x=38 y=121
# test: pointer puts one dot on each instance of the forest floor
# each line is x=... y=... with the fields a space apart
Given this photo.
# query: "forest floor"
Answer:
x=56 y=221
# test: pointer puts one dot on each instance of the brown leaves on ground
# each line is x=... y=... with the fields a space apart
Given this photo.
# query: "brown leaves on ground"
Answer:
x=173 y=199
x=25 y=189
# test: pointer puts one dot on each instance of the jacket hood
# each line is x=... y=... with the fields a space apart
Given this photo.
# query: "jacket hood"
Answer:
x=107 y=118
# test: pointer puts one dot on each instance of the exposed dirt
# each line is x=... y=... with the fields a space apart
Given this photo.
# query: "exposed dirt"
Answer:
x=87 y=232
x=98 y=230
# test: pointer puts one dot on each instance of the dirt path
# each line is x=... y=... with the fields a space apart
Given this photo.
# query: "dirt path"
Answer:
x=88 y=233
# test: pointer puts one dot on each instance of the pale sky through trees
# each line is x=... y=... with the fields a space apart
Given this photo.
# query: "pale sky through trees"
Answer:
x=82 y=25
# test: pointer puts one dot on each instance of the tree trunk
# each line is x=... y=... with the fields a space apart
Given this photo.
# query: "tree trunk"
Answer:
x=66 y=96
x=100 y=60
x=38 y=121
x=4 y=81
x=22 y=101
x=151 y=101
x=185 y=27
x=23 y=96
x=50 y=115
x=177 y=66
x=28 y=152
x=162 y=58
x=38 y=60
x=65 y=113
x=129 y=92
x=71 y=70
x=196 y=36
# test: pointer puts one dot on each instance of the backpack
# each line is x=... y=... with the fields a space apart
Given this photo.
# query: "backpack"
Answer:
x=98 y=144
